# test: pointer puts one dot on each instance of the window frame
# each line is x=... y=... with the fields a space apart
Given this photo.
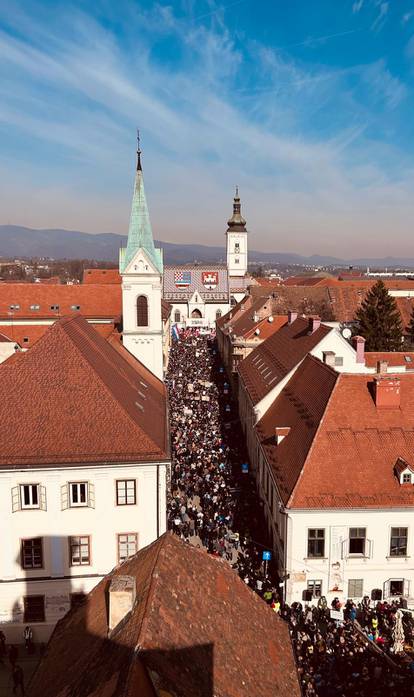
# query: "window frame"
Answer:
x=357 y=537
x=310 y=586
x=396 y=580
x=31 y=506
x=120 y=481
x=25 y=540
x=126 y=534
x=141 y=310
x=355 y=580
x=79 y=544
x=315 y=539
x=26 y=618
x=70 y=499
x=399 y=537
x=408 y=476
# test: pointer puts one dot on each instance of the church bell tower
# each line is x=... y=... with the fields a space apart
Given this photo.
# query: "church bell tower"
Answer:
x=141 y=268
x=237 y=241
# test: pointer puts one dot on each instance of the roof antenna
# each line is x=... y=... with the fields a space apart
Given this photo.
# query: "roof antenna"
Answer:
x=139 y=167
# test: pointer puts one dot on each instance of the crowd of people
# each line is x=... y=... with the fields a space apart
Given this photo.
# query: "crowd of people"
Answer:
x=213 y=504
x=354 y=656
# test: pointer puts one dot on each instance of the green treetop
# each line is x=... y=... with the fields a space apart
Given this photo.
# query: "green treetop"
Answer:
x=379 y=320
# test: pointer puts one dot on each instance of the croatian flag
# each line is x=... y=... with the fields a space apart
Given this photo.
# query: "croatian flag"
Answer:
x=174 y=332
x=182 y=279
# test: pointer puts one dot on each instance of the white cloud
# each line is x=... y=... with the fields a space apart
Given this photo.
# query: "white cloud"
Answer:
x=357 y=6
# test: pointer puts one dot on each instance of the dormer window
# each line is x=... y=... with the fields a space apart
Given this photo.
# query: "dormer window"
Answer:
x=404 y=472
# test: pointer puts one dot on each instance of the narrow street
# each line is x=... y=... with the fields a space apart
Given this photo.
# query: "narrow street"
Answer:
x=214 y=502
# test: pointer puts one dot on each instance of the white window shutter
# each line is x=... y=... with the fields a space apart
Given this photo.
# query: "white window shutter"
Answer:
x=369 y=549
x=64 y=496
x=344 y=549
x=42 y=491
x=386 y=589
x=15 y=494
x=406 y=588
x=91 y=495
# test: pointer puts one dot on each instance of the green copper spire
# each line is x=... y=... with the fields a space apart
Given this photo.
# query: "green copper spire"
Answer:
x=140 y=232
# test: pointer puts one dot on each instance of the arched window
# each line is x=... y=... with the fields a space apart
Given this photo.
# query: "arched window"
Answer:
x=177 y=316
x=196 y=313
x=218 y=314
x=142 y=311
x=233 y=301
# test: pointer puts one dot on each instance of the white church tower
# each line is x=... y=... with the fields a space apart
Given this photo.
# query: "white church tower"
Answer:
x=141 y=268
x=236 y=241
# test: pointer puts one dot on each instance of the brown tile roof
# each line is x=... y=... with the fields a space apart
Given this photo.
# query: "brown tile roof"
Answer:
x=194 y=629
x=234 y=313
x=96 y=301
x=341 y=450
x=304 y=281
x=272 y=360
x=393 y=358
x=4 y=338
x=101 y=276
x=166 y=308
x=73 y=398
x=33 y=332
x=300 y=406
x=266 y=328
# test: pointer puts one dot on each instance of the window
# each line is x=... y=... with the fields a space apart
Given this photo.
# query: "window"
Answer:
x=14 y=307
x=54 y=307
x=29 y=495
x=78 y=492
x=34 y=608
x=177 y=316
x=76 y=599
x=25 y=339
x=339 y=360
x=35 y=307
x=32 y=553
x=357 y=539
x=127 y=545
x=396 y=587
x=142 y=311
x=316 y=542
x=237 y=260
x=355 y=588
x=406 y=478
x=218 y=314
x=75 y=307
x=237 y=248
x=79 y=550
x=315 y=587
x=398 y=546
x=126 y=492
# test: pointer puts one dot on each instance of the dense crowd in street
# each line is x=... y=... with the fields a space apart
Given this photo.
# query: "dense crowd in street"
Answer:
x=213 y=504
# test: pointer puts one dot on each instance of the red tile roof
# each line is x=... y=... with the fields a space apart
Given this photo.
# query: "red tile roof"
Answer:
x=266 y=328
x=101 y=276
x=393 y=358
x=300 y=406
x=304 y=281
x=78 y=400
x=95 y=301
x=33 y=332
x=4 y=338
x=194 y=630
x=341 y=450
x=272 y=360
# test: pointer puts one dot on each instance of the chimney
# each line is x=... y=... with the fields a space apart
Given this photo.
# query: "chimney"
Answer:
x=382 y=367
x=280 y=433
x=329 y=358
x=314 y=323
x=256 y=317
x=121 y=599
x=359 y=346
x=387 y=392
x=292 y=316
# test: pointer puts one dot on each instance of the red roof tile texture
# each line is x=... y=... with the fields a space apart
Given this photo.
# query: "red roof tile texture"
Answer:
x=100 y=301
x=394 y=359
x=341 y=449
x=194 y=629
x=273 y=360
x=79 y=400
x=101 y=276
x=27 y=334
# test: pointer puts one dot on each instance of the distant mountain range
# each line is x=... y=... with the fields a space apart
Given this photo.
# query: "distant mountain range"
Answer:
x=16 y=242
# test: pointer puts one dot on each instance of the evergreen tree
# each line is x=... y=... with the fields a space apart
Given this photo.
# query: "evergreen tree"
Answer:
x=410 y=328
x=379 y=320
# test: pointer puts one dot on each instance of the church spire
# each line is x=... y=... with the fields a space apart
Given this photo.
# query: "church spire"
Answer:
x=140 y=231
x=237 y=222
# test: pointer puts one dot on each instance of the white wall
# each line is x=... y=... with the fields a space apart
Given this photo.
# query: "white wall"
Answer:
x=375 y=570
x=102 y=523
x=6 y=349
x=240 y=268
x=208 y=313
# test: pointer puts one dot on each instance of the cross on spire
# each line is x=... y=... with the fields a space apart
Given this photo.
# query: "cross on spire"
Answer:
x=139 y=166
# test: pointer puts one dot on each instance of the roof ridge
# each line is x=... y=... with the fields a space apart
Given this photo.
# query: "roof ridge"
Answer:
x=337 y=376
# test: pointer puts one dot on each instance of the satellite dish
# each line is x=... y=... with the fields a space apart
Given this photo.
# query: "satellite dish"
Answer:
x=346 y=333
x=270 y=319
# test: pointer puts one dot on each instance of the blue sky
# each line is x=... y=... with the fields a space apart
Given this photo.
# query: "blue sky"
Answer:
x=307 y=105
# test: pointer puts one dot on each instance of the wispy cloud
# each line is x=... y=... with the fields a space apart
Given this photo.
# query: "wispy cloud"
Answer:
x=357 y=6
x=297 y=137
